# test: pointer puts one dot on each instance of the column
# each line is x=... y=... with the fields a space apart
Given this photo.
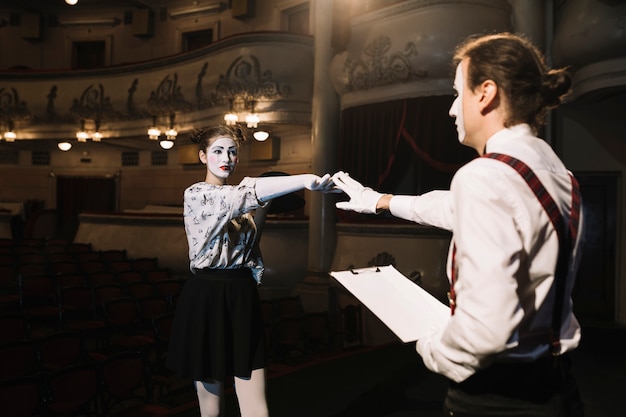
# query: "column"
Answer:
x=324 y=136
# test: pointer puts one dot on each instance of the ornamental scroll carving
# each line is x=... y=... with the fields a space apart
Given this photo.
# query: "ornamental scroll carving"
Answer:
x=168 y=98
x=93 y=104
x=11 y=106
x=245 y=81
x=380 y=67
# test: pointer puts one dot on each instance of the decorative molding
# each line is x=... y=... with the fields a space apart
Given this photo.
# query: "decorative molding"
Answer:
x=248 y=40
x=11 y=106
x=93 y=104
x=167 y=97
x=381 y=67
x=125 y=98
x=244 y=81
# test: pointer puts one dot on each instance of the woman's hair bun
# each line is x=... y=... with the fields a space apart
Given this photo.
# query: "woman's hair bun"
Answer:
x=196 y=135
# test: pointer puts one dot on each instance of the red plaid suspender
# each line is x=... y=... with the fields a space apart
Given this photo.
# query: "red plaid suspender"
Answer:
x=566 y=240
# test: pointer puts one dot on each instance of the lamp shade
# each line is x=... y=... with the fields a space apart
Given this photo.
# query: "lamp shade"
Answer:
x=261 y=135
x=252 y=120
x=64 y=146
x=166 y=144
x=171 y=134
x=154 y=133
x=231 y=119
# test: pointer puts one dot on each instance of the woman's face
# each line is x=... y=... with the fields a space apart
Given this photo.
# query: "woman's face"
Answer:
x=220 y=159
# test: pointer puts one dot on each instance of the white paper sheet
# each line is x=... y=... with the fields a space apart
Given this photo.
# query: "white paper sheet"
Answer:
x=406 y=308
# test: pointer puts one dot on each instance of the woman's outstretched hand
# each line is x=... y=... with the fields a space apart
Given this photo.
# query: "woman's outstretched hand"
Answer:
x=362 y=199
x=324 y=184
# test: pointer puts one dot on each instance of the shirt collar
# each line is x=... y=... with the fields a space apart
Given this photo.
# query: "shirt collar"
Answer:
x=504 y=136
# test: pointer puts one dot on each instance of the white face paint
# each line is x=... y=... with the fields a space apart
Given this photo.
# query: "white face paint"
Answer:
x=456 y=110
x=221 y=157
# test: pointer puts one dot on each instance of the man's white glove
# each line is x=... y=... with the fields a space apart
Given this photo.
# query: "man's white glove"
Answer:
x=362 y=199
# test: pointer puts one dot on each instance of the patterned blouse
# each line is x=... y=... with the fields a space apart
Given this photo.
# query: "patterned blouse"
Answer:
x=220 y=228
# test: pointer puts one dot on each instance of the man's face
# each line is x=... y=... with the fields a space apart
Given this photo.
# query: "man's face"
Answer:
x=456 y=110
x=221 y=157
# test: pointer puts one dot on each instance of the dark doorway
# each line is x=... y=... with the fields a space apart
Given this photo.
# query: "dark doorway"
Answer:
x=197 y=39
x=594 y=293
x=88 y=54
x=80 y=194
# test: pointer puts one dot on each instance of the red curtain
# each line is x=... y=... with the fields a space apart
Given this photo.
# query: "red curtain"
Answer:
x=405 y=146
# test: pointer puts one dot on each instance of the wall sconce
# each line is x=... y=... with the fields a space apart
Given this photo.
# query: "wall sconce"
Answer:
x=154 y=133
x=64 y=146
x=231 y=119
x=252 y=120
x=171 y=133
x=10 y=135
x=71 y=2
x=97 y=136
x=243 y=109
x=82 y=135
x=261 y=135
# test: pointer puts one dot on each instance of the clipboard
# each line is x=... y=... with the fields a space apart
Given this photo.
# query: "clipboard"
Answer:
x=403 y=306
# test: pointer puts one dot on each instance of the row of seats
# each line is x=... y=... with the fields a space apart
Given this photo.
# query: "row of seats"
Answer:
x=293 y=334
x=120 y=382
x=33 y=274
x=82 y=332
x=98 y=356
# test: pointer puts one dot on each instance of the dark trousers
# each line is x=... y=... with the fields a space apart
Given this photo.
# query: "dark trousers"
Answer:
x=544 y=388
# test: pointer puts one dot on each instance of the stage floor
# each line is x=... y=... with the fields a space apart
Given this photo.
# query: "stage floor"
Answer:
x=391 y=381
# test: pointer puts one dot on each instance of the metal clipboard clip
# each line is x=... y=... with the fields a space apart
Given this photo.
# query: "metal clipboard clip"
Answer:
x=364 y=270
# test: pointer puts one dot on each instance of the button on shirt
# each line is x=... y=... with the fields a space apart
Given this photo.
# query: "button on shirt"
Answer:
x=506 y=253
x=220 y=229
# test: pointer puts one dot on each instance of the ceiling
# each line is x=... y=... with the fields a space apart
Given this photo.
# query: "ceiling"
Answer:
x=55 y=6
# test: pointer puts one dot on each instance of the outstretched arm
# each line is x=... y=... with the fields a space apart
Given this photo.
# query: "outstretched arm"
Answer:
x=362 y=199
x=432 y=208
x=268 y=188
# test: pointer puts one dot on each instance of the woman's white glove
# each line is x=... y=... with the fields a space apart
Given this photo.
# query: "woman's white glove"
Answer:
x=362 y=199
x=314 y=183
x=268 y=188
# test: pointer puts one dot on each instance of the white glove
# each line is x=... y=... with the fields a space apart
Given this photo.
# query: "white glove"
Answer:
x=362 y=199
x=268 y=188
x=314 y=183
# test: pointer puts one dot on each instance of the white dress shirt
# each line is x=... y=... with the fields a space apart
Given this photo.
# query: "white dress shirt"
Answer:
x=220 y=229
x=506 y=253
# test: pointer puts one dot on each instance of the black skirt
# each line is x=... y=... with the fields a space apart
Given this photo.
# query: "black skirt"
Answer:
x=218 y=327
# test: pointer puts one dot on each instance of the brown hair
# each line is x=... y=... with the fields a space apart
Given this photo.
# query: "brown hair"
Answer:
x=204 y=136
x=519 y=70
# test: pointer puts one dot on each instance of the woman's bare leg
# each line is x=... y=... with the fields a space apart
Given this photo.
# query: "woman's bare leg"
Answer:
x=209 y=394
x=251 y=394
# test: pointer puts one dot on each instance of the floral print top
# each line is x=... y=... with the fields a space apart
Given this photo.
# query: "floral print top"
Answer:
x=220 y=228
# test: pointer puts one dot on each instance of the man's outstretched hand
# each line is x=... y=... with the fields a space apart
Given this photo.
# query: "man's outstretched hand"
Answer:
x=362 y=199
